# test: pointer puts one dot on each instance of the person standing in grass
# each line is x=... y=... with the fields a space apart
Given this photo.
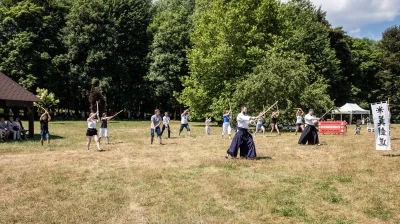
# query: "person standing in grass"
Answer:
x=243 y=139
x=208 y=122
x=44 y=127
x=104 y=127
x=155 y=125
x=226 y=126
x=166 y=120
x=274 y=122
x=310 y=133
x=299 y=120
x=92 y=131
x=259 y=126
x=185 y=121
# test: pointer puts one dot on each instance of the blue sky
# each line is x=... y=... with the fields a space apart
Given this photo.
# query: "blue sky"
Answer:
x=361 y=18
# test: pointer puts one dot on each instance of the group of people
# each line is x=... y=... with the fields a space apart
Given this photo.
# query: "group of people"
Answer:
x=92 y=133
x=12 y=129
x=243 y=140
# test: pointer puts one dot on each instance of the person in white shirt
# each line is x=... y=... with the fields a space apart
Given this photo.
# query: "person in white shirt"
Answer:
x=208 y=122
x=185 y=121
x=155 y=125
x=226 y=126
x=310 y=133
x=243 y=139
x=299 y=120
x=166 y=120
x=92 y=131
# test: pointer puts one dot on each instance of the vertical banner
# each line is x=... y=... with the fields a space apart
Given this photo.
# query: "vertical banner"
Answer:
x=381 y=125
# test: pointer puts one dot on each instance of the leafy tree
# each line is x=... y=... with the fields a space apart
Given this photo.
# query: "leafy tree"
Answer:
x=48 y=98
x=389 y=82
x=308 y=32
x=229 y=39
x=283 y=79
x=171 y=27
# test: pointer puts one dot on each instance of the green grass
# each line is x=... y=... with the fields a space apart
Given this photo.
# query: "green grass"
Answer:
x=188 y=180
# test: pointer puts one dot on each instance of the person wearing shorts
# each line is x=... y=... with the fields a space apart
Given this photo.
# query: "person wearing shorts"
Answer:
x=92 y=131
x=185 y=122
x=274 y=122
x=155 y=125
x=259 y=126
x=226 y=126
x=44 y=127
x=104 y=127
x=299 y=120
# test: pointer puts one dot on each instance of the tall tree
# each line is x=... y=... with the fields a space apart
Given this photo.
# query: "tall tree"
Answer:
x=28 y=42
x=171 y=27
x=229 y=39
x=307 y=32
x=389 y=77
x=106 y=41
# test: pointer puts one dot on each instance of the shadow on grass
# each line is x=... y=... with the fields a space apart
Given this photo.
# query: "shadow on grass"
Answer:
x=263 y=158
x=392 y=155
x=36 y=137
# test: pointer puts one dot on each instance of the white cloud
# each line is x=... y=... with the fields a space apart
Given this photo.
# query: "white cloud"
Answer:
x=355 y=31
x=352 y=14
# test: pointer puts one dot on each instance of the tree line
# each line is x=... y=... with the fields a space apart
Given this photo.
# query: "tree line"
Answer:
x=201 y=54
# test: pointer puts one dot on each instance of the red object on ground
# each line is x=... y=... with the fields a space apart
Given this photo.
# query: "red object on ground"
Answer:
x=332 y=127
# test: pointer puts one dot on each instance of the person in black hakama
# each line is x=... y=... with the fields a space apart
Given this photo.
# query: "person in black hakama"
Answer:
x=310 y=133
x=243 y=139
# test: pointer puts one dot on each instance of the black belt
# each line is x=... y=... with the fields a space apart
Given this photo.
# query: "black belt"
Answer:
x=242 y=129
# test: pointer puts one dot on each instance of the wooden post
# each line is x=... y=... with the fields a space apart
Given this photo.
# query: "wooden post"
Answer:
x=31 y=120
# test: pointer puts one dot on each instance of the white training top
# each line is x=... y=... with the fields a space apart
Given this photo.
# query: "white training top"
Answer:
x=208 y=121
x=166 y=119
x=92 y=123
x=299 y=120
x=308 y=120
x=243 y=120
x=184 y=118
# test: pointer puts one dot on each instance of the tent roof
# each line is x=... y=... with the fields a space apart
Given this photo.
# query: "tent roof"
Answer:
x=10 y=90
x=350 y=108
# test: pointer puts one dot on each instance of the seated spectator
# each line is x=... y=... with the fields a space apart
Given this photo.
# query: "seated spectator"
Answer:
x=4 y=133
x=21 y=128
x=14 y=129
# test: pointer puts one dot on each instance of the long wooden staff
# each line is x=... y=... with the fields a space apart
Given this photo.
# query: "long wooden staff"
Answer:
x=264 y=112
x=118 y=113
x=327 y=112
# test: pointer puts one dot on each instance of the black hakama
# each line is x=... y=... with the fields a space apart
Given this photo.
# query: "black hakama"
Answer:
x=243 y=140
x=309 y=135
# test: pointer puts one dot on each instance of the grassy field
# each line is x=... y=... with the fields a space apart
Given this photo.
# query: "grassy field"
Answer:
x=188 y=180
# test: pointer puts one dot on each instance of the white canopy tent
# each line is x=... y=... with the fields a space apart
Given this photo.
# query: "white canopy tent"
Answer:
x=351 y=109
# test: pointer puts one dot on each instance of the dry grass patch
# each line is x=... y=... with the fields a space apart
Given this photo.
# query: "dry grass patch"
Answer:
x=188 y=180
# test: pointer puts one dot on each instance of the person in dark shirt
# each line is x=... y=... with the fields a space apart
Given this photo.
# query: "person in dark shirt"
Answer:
x=274 y=122
x=44 y=127
x=104 y=127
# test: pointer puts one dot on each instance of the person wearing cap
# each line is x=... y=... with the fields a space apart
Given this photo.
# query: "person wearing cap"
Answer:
x=310 y=133
x=243 y=140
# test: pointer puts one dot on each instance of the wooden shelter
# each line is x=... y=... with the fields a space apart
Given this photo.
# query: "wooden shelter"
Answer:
x=15 y=97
